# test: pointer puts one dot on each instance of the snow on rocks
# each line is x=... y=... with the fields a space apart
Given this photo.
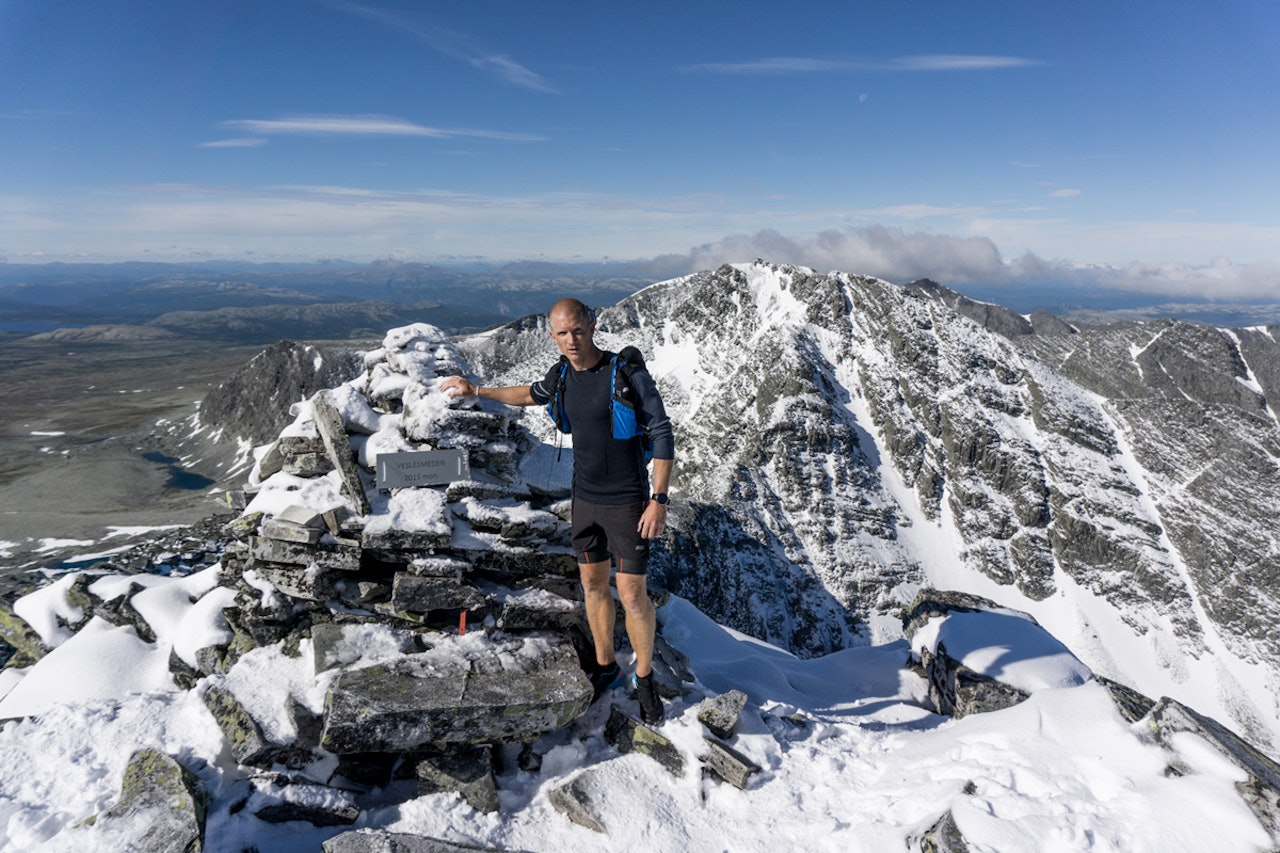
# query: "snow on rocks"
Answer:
x=979 y=656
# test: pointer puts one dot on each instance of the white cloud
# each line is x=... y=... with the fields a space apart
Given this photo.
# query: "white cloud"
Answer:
x=1065 y=193
x=365 y=126
x=308 y=222
x=812 y=65
x=452 y=44
x=242 y=142
x=959 y=62
x=888 y=253
x=513 y=72
x=779 y=65
x=900 y=256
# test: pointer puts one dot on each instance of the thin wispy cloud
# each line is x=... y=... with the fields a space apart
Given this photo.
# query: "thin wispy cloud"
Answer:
x=958 y=62
x=246 y=142
x=366 y=126
x=1065 y=193
x=810 y=65
x=452 y=44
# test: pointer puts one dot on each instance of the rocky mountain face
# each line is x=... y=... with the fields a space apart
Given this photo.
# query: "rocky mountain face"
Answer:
x=253 y=403
x=843 y=441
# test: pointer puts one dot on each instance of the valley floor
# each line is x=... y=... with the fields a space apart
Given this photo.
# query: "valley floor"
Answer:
x=74 y=435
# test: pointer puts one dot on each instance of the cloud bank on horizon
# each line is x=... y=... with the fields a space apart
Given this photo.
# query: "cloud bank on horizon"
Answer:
x=899 y=256
x=1012 y=144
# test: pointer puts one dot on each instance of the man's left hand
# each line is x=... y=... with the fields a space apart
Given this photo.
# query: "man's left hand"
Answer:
x=653 y=520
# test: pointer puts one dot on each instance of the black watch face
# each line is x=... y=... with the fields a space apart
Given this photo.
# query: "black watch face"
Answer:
x=660 y=498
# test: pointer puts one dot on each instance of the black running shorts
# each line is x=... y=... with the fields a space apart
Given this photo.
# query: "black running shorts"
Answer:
x=600 y=530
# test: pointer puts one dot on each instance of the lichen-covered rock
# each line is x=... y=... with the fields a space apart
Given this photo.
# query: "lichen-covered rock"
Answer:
x=418 y=594
x=249 y=744
x=161 y=809
x=18 y=633
x=629 y=735
x=720 y=713
x=469 y=691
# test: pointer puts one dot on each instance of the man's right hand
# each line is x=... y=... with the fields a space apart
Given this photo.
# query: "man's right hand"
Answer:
x=456 y=386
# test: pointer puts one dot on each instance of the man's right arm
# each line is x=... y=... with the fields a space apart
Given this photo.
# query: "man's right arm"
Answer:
x=512 y=395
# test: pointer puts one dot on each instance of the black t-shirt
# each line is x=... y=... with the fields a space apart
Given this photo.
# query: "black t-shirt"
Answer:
x=607 y=470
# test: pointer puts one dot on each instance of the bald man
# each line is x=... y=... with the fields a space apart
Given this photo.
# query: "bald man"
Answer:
x=615 y=512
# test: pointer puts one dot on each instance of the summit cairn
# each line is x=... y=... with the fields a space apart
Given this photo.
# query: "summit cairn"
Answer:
x=443 y=620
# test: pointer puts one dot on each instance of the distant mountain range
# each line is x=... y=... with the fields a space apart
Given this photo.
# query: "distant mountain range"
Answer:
x=263 y=303
x=40 y=298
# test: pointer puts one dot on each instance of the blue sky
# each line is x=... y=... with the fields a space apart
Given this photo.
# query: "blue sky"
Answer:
x=967 y=141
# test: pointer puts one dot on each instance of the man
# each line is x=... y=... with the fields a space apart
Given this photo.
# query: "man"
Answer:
x=614 y=511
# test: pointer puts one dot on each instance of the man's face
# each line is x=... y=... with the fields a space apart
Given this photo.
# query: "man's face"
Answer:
x=572 y=335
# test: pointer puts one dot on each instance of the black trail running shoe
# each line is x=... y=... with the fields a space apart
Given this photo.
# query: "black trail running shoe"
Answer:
x=604 y=678
x=650 y=705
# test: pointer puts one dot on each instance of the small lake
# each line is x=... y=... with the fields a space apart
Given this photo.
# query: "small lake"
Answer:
x=179 y=477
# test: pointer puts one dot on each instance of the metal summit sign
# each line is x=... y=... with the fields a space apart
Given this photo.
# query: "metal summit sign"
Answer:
x=422 y=468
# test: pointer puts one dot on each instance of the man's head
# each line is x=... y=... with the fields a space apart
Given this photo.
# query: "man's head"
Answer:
x=573 y=307
x=572 y=328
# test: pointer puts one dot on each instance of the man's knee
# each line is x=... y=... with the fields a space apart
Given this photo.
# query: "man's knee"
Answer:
x=634 y=596
x=594 y=578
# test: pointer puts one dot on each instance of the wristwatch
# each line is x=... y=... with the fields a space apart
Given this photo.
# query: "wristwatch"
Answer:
x=660 y=497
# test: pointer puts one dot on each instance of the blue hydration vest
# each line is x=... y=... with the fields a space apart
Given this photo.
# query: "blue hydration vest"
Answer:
x=623 y=400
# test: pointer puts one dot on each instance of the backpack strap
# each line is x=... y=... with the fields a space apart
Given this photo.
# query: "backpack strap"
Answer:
x=555 y=406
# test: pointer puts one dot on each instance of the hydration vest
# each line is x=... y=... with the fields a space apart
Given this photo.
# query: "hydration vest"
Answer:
x=623 y=399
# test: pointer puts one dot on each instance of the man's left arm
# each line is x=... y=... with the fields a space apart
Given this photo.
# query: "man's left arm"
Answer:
x=653 y=417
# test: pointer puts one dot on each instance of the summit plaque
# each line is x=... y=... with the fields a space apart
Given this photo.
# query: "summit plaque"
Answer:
x=422 y=468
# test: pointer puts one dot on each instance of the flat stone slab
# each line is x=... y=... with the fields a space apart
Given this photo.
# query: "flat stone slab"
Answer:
x=338 y=557
x=417 y=594
x=338 y=446
x=630 y=735
x=288 y=531
x=470 y=690
x=729 y=764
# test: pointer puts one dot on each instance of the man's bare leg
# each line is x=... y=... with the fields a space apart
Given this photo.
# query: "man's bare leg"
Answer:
x=598 y=600
x=642 y=620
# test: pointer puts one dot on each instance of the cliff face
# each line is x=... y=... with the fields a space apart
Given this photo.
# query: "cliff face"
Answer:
x=843 y=441
x=254 y=402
